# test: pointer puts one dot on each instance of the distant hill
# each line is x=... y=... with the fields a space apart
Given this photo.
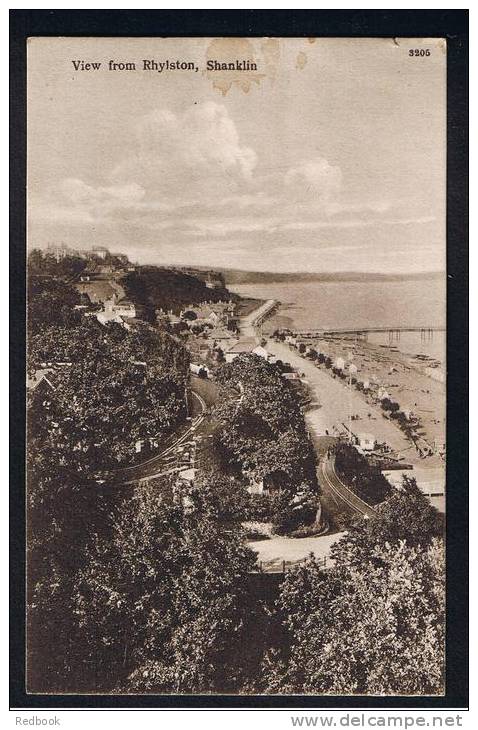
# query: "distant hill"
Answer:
x=160 y=288
x=236 y=276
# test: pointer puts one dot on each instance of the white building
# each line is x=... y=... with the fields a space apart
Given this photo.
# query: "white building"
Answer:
x=197 y=369
x=243 y=347
x=124 y=308
x=261 y=351
x=100 y=251
x=59 y=251
x=366 y=441
x=430 y=481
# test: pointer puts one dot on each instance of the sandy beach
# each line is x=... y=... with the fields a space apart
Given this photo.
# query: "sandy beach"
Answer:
x=333 y=400
x=404 y=378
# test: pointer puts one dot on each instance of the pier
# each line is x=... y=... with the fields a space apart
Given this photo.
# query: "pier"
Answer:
x=426 y=333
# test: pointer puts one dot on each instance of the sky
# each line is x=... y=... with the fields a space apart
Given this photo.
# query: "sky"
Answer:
x=331 y=156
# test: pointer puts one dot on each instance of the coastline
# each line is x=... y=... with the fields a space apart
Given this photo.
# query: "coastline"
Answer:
x=333 y=400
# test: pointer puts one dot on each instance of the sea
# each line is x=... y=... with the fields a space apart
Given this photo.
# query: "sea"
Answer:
x=356 y=304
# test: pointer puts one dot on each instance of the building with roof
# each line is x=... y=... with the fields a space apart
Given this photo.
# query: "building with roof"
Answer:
x=366 y=441
x=59 y=251
x=100 y=251
x=430 y=481
x=243 y=347
x=261 y=352
x=42 y=380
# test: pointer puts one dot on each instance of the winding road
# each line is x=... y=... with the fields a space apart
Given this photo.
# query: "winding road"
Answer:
x=165 y=462
x=329 y=479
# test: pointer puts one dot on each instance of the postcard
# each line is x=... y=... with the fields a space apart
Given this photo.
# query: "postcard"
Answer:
x=236 y=370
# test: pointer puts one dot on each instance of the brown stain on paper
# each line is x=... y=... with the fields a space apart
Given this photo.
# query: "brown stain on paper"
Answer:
x=301 y=61
x=227 y=50
x=270 y=48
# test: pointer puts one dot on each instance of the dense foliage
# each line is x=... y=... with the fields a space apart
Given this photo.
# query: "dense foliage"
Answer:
x=51 y=302
x=363 y=478
x=114 y=388
x=109 y=387
x=152 y=589
x=156 y=288
x=373 y=623
x=263 y=432
x=41 y=262
x=166 y=596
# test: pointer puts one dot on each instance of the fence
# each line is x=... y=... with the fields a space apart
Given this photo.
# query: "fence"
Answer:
x=285 y=566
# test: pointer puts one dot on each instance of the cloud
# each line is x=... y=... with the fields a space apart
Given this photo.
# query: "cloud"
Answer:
x=189 y=188
x=78 y=192
x=316 y=177
x=193 y=153
x=355 y=223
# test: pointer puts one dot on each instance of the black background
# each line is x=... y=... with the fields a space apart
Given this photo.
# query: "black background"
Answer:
x=449 y=24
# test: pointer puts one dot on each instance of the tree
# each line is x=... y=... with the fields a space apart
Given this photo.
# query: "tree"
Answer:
x=364 y=479
x=64 y=504
x=167 y=596
x=49 y=302
x=370 y=627
x=119 y=387
x=110 y=386
x=405 y=515
x=373 y=622
x=46 y=264
x=190 y=315
x=264 y=433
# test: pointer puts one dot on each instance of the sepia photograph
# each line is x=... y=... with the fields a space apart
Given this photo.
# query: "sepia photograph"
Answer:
x=236 y=366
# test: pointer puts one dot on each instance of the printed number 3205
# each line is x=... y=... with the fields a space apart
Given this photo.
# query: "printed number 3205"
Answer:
x=419 y=52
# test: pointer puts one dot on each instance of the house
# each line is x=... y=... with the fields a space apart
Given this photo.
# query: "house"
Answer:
x=256 y=487
x=291 y=376
x=42 y=380
x=213 y=318
x=353 y=369
x=122 y=258
x=173 y=319
x=199 y=369
x=121 y=312
x=59 y=251
x=261 y=351
x=339 y=363
x=100 y=251
x=124 y=308
x=104 y=317
x=41 y=386
x=430 y=481
x=366 y=441
x=222 y=335
x=243 y=347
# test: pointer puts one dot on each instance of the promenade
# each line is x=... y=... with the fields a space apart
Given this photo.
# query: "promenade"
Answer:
x=333 y=401
x=250 y=321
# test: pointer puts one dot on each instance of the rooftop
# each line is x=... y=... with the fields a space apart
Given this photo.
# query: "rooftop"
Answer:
x=244 y=346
